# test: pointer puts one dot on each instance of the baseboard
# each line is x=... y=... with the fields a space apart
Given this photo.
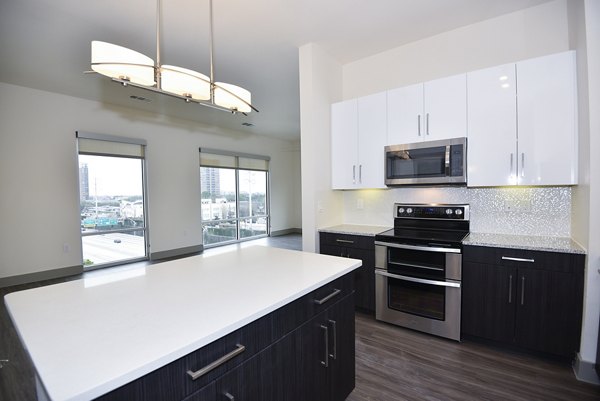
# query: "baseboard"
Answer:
x=172 y=253
x=585 y=371
x=286 y=232
x=40 y=276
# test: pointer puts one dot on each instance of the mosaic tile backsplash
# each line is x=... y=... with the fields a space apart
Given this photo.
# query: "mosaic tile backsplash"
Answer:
x=520 y=210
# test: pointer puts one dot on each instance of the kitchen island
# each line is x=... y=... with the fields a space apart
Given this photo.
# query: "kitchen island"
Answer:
x=119 y=339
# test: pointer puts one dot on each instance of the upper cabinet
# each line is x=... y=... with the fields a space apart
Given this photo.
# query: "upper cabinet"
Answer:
x=427 y=111
x=522 y=123
x=358 y=134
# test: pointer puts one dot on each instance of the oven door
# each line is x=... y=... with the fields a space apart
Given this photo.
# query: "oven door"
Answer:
x=431 y=306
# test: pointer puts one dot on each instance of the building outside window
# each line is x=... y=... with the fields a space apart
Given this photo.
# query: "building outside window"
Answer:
x=112 y=200
x=235 y=196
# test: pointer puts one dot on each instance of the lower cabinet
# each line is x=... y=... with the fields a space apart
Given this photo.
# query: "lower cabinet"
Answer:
x=531 y=299
x=302 y=351
x=355 y=247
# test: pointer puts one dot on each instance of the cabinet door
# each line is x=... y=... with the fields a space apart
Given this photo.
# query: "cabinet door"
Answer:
x=405 y=119
x=364 y=278
x=488 y=301
x=547 y=311
x=547 y=124
x=344 y=139
x=372 y=129
x=445 y=106
x=340 y=320
x=313 y=359
x=492 y=125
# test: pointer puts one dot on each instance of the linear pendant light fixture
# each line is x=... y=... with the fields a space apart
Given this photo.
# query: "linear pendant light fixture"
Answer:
x=129 y=67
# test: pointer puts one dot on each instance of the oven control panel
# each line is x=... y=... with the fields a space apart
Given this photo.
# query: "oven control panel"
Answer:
x=437 y=211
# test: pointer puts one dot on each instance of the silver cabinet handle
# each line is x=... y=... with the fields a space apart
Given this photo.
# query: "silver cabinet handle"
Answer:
x=522 y=164
x=229 y=397
x=427 y=123
x=418 y=280
x=328 y=297
x=418 y=248
x=354 y=174
x=325 y=362
x=518 y=259
x=419 y=124
x=512 y=156
x=201 y=372
x=522 y=290
x=510 y=289
x=345 y=241
x=334 y=326
x=360 y=173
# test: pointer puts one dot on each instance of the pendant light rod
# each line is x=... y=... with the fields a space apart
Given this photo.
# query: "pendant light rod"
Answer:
x=158 y=62
x=210 y=50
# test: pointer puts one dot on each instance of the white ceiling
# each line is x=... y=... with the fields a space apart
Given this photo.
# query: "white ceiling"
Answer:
x=45 y=44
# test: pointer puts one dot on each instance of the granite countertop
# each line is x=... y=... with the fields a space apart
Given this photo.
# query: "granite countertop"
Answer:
x=536 y=243
x=355 y=229
x=87 y=338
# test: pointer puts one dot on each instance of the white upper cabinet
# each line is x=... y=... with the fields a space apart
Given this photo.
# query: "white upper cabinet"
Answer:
x=522 y=123
x=547 y=123
x=428 y=111
x=492 y=122
x=358 y=133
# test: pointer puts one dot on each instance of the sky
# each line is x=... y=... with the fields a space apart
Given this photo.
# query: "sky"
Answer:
x=112 y=176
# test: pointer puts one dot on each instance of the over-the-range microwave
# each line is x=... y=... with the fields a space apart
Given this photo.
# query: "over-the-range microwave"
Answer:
x=442 y=162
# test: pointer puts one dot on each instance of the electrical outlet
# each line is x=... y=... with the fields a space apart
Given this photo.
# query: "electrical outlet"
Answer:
x=360 y=204
x=66 y=248
x=320 y=207
x=517 y=206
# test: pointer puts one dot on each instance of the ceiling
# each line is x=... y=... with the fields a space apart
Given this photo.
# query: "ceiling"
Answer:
x=45 y=44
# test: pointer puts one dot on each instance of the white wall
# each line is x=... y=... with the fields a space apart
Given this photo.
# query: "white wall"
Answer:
x=320 y=85
x=39 y=206
x=516 y=36
x=584 y=23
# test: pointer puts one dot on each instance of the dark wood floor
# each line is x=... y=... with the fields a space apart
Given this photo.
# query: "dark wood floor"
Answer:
x=391 y=363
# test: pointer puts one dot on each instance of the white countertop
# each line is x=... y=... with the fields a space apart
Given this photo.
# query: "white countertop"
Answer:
x=88 y=337
x=355 y=229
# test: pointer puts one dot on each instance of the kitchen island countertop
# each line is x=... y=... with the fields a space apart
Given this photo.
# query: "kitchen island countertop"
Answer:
x=88 y=337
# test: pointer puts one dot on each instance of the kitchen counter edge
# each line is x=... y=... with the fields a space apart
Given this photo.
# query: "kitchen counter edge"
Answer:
x=535 y=243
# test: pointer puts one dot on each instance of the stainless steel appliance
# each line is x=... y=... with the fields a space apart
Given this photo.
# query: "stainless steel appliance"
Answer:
x=418 y=268
x=427 y=163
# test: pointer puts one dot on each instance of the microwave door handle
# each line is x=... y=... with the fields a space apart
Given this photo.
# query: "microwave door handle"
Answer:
x=447 y=161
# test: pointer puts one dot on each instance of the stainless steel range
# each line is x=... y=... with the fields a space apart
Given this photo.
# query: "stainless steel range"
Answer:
x=418 y=268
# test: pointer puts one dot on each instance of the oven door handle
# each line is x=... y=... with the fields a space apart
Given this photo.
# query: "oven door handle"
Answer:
x=419 y=280
x=418 y=248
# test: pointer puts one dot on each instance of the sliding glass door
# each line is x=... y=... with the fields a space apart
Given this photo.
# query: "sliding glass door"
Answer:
x=234 y=197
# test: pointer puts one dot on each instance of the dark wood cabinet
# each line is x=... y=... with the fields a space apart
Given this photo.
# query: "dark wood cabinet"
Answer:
x=301 y=351
x=531 y=299
x=355 y=247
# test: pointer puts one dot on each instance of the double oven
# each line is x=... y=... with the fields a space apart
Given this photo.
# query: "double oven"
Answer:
x=418 y=266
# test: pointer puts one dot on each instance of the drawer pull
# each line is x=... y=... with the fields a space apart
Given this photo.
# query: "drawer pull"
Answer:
x=345 y=241
x=518 y=259
x=510 y=289
x=328 y=297
x=201 y=372
x=229 y=397
x=522 y=290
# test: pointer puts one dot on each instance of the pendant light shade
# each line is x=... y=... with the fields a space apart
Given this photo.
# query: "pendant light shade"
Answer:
x=184 y=82
x=122 y=63
x=129 y=67
x=232 y=97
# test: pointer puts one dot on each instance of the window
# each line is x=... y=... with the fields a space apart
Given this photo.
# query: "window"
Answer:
x=234 y=196
x=112 y=200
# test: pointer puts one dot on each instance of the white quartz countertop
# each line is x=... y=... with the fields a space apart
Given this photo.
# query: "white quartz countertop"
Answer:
x=355 y=229
x=531 y=242
x=88 y=337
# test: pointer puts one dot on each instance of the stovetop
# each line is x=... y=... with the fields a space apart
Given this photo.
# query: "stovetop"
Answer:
x=422 y=237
